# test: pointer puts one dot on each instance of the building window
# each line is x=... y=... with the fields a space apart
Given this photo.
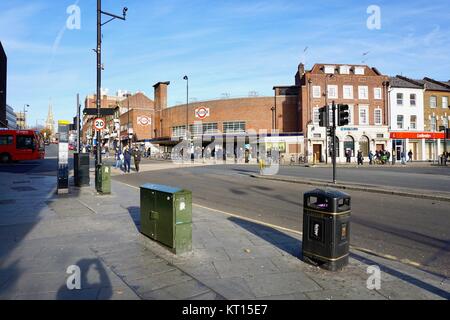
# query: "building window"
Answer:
x=412 y=99
x=344 y=70
x=444 y=102
x=378 y=117
x=445 y=122
x=348 y=92
x=399 y=99
x=332 y=92
x=363 y=92
x=364 y=146
x=413 y=122
x=234 y=127
x=433 y=123
x=4 y=140
x=359 y=70
x=316 y=114
x=349 y=145
x=433 y=102
x=329 y=69
x=399 y=122
x=317 y=93
x=363 y=120
x=205 y=128
x=377 y=93
x=350 y=114
x=179 y=131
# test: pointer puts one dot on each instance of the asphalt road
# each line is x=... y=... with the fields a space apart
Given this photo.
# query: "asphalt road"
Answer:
x=408 y=228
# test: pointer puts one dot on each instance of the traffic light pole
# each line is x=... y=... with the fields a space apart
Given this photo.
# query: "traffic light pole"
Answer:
x=333 y=143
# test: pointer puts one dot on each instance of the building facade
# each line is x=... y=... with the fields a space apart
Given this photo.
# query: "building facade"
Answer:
x=3 y=86
x=21 y=120
x=363 y=89
x=436 y=115
x=407 y=129
x=11 y=118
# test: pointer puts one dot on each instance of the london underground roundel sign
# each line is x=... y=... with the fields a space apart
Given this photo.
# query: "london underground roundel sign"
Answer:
x=99 y=124
x=202 y=113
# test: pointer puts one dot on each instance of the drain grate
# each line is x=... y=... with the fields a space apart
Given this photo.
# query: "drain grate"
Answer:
x=23 y=189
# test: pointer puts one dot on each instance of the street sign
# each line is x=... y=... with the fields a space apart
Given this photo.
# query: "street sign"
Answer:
x=202 y=113
x=99 y=124
x=103 y=112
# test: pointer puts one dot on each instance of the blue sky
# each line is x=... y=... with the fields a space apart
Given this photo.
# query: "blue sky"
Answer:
x=225 y=46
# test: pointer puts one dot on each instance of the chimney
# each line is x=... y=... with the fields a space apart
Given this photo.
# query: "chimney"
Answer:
x=301 y=69
x=161 y=95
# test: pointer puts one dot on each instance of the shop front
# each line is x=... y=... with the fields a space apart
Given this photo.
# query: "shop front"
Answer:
x=425 y=146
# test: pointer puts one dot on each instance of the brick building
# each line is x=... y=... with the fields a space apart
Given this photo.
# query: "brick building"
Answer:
x=363 y=88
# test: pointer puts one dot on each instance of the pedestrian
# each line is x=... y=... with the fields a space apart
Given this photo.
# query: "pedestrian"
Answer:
x=360 y=158
x=388 y=157
x=370 y=157
x=403 y=157
x=149 y=152
x=348 y=155
x=410 y=155
x=137 y=158
x=127 y=156
x=118 y=159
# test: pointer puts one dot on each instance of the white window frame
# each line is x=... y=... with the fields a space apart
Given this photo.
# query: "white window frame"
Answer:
x=316 y=115
x=344 y=69
x=402 y=126
x=445 y=121
x=377 y=94
x=344 y=92
x=316 y=94
x=411 y=122
x=335 y=87
x=329 y=69
x=411 y=100
x=351 y=114
x=360 y=71
x=366 y=91
x=402 y=99
x=434 y=100
x=444 y=105
x=433 y=124
x=366 y=109
x=378 y=123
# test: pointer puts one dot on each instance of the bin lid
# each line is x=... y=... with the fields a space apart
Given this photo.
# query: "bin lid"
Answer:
x=328 y=193
x=161 y=188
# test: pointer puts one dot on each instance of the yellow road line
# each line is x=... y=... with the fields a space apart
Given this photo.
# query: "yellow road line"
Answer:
x=381 y=255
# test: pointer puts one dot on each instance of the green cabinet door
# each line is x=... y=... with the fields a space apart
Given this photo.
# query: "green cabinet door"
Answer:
x=148 y=214
x=164 y=224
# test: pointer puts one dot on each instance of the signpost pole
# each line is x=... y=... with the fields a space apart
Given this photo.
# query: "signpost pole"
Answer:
x=333 y=143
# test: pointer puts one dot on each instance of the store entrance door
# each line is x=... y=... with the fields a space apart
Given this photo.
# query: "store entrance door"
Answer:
x=317 y=152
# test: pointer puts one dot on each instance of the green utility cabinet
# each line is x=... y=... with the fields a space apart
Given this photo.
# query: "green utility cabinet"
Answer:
x=103 y=179
x=166 y=216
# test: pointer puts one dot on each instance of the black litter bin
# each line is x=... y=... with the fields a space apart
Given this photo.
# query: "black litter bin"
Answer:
x=326 y=228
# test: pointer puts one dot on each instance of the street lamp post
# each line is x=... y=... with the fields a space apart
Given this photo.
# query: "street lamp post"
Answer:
x=128 y=121
x=187 y=105
x=98 y=158
x=24 y=117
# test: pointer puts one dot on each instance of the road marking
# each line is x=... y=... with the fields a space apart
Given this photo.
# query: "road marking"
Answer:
x=368 y=251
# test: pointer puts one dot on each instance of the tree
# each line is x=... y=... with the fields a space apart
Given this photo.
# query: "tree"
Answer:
x=47 y=133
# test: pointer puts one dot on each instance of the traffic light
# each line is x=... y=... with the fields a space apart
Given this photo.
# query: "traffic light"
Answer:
x=323 y=117
x=343 y=115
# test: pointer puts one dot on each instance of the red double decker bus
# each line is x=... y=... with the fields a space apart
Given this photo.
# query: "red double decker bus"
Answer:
x=21 y=145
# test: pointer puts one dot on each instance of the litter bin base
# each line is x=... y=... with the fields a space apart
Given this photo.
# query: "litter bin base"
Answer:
x=325 y=263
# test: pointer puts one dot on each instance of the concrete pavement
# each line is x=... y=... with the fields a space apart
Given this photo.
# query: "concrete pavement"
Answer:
x=233 y=258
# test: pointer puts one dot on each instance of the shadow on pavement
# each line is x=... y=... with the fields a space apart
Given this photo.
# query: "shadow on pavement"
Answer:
x=22 y=198
x=292 y=246
x=135 y=214
x=277 y=238
x=90 y=285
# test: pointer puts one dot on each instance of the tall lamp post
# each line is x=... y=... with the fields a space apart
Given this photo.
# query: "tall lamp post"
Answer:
x=24 y=115
x=128 y=121
x=187 y=105
x=98 y=158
